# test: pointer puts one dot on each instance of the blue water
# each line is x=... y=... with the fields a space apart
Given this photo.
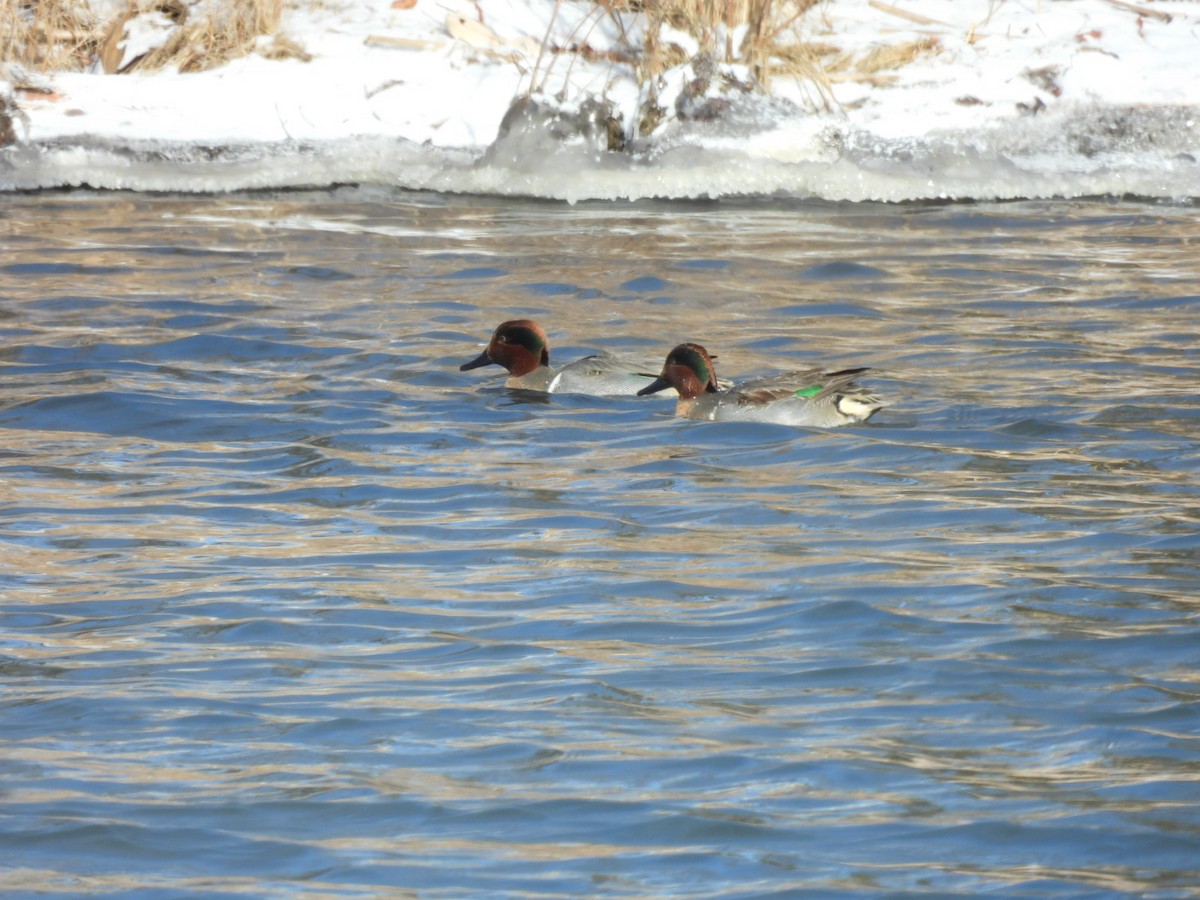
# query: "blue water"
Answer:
x=292 y=607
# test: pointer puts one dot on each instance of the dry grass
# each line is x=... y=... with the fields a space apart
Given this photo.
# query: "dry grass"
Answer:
x=767 y=29
x=763 y=35
x=771 y=46
x=896 y=56
x=65 y=35
x=48 y=35
x=228 y=32
x=878 y=65
x=804 y=63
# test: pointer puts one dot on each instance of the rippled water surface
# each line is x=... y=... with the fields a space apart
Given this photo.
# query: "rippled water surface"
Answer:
x=293 y=607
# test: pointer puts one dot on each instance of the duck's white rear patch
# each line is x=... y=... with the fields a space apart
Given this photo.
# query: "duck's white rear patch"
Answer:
x=858 y=408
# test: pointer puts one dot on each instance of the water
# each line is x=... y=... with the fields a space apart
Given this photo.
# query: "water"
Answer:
x=294 y=608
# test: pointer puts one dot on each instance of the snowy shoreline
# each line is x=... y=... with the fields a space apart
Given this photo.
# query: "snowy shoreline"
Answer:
x=1063 y=98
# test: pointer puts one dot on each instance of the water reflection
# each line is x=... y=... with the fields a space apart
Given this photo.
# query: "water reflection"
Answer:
x=286 y=593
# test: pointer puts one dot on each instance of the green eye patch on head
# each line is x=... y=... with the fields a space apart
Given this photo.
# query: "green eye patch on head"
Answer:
x=527 y=336
x=693 y=357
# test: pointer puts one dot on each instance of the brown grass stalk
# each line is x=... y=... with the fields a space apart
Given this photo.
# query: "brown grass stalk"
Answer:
x=769 y=44
x=47 y=35
x=55 y=35
x=65 y=35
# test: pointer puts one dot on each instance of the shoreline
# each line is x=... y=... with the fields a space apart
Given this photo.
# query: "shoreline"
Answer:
x=1089 y=94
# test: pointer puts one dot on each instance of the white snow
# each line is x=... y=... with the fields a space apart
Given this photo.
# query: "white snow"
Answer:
x=1014 y=98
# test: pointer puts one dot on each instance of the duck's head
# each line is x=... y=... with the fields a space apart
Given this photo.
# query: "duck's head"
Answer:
x=519 y=345
x=688 y=369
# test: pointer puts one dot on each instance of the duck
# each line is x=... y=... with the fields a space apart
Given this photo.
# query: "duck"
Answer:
x=811 y=397
x=521 y=347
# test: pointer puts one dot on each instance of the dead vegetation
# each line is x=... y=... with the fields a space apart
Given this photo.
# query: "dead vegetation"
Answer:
x=762 y=35
x=879 y=64
x=771 y=38
x=47 y=35
x=67 y=35
x=230 y=31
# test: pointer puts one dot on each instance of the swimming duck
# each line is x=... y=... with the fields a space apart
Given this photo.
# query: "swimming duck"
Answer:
x=808 y=397
x=521 y=347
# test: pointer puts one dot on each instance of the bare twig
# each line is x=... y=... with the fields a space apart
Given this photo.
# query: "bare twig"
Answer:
x=1142 y=10
x=384 y=40
x=905 y=14
x=542 y=49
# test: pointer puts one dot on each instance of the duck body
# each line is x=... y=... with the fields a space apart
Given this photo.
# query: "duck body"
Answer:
x=810 y=397
x=522 y=348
